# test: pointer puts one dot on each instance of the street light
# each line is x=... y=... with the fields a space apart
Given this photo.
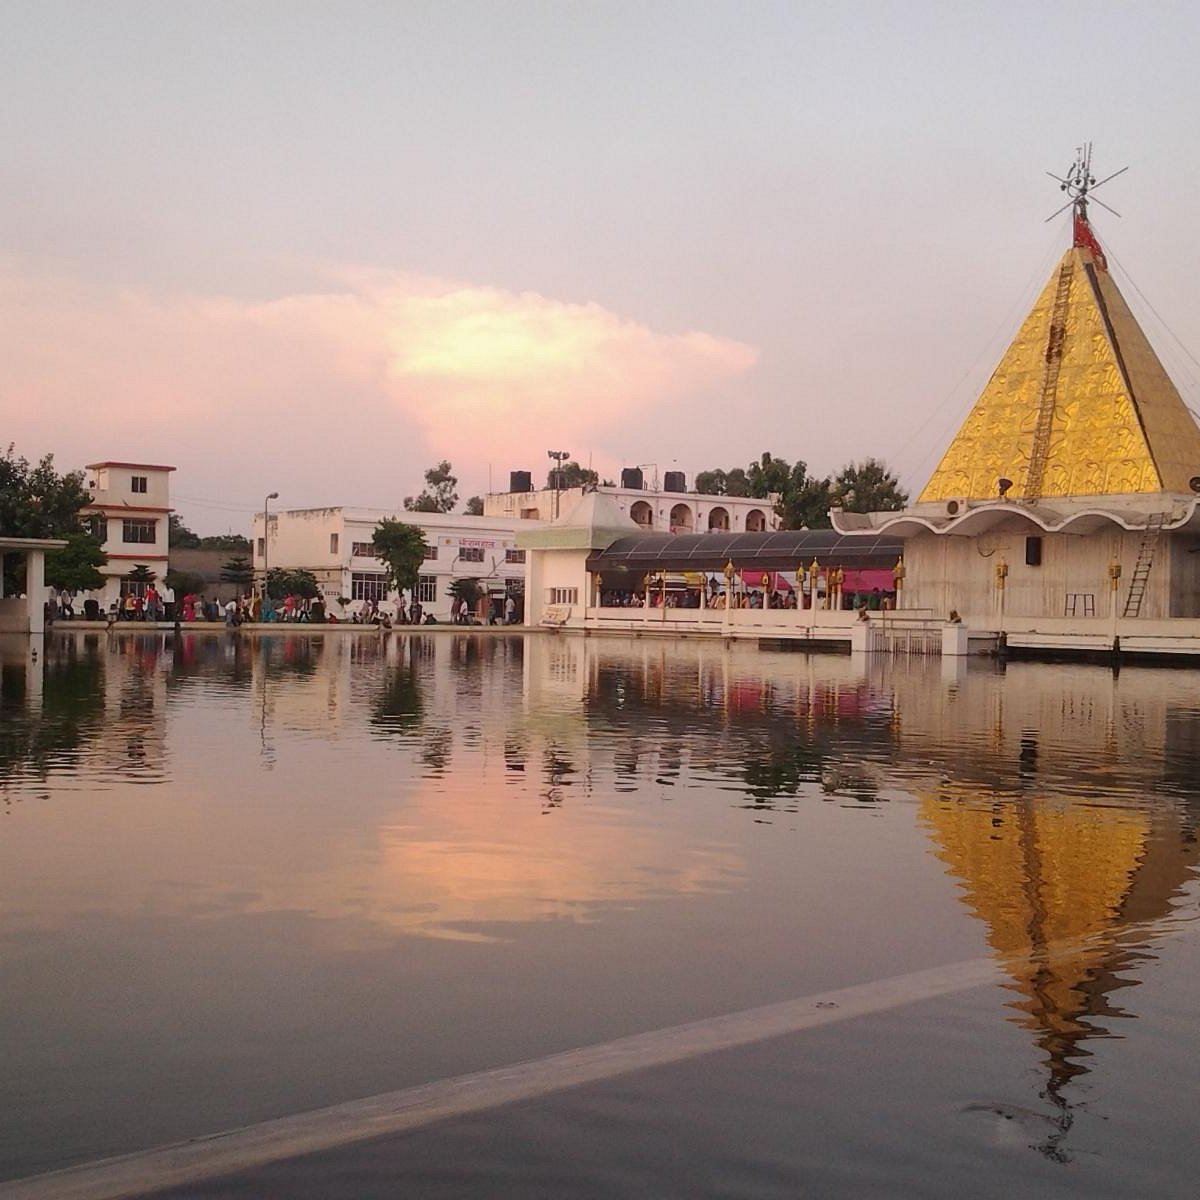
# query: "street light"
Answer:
x=267 y=535
x=559 y=456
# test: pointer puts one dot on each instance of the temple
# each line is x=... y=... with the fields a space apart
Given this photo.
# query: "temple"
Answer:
x=1071 y=489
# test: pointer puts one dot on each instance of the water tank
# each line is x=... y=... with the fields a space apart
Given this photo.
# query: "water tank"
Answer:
x=674 y=481
x=631 y=477
x=520 y=481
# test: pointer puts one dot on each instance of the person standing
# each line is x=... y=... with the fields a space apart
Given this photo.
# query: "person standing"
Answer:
x=510 y=611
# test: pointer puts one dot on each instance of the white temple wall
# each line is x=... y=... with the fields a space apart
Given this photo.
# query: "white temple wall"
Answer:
x=947 y=572
x=1184 y=560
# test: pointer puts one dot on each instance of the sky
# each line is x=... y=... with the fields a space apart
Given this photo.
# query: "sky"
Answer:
x=315 y=248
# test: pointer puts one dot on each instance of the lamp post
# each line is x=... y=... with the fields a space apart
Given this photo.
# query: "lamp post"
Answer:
x=559 y=456
x=267 y=536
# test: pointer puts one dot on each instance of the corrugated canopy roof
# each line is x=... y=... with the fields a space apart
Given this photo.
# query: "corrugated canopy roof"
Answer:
x=782 y=550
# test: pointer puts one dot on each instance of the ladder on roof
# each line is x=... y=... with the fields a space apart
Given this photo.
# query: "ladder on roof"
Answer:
x=1039 y=453
x=1145 y=560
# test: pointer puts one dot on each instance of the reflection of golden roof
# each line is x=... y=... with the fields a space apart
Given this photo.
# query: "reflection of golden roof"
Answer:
x=1056 y=884
x=1079 y=406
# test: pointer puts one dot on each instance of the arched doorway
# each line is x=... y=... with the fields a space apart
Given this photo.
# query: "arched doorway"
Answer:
x=681 y=519
x=756 y=521
x=642 y=514
x=718 y=518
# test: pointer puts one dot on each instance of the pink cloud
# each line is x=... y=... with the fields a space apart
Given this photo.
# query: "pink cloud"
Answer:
x=338 y=395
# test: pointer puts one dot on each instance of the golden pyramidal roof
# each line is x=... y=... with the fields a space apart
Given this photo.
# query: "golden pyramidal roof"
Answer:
x=1080 y=404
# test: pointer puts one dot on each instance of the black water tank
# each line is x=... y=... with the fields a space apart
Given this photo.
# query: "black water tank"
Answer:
x=631 y=477
x=520 y=481
x=675 y=481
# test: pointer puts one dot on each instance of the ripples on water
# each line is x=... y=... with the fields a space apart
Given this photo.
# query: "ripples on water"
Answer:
x=248 y=876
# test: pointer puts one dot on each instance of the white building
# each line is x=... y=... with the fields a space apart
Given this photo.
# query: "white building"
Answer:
x=335 y=545
x=129 y=513
x=659 y=510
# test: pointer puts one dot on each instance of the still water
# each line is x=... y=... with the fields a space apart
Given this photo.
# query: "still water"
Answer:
x=246 y=877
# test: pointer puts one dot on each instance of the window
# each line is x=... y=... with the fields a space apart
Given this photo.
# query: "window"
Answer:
x=427 y=589
x=362 y=549
x=514 y=556
x=333 y=543
x=470 y=553
x=262 y=547
x=137 y=483
x=134 y=529
x=562 y=595
x=366 y=585
x=430 y=553
x=98 y=527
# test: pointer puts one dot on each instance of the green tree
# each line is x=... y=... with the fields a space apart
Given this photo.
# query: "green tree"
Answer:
x=226 y=541
x=439 y=494
x=868 y=487
x=467 y=590
x=474 y=507
x=805 y=501
x=711 y=483
x=36 y=501
x=179 y=536
x=183 y=582
x=282 y=582
x=238 y=570
x=140 y=573
x=402 y=550
x=76 y=566
x=769 y=476
x=571 y=475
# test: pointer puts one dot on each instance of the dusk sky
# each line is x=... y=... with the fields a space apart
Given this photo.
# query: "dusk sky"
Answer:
x=313 y=248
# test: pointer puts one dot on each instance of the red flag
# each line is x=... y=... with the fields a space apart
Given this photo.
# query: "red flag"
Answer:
x=1084 y=236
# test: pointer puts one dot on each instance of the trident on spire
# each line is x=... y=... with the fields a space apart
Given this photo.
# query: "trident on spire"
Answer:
x=1080 y=183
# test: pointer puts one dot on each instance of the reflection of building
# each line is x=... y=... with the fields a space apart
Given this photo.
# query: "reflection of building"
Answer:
x=129 y=510
x=1079 y=456
x=335 y=545
x=1058 y=884
x=662 y=510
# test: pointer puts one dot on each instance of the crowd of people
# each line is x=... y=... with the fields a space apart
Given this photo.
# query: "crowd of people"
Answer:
x=749 y=598
x=158 y=602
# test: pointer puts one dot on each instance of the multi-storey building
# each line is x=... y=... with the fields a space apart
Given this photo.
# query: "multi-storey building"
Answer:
x=663 y=511
x=129 y=513
x=335 y=545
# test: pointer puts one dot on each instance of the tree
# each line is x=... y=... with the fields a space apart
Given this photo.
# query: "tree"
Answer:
x=226 y=541
x=439 y=494
x=401 y=548
x=475 y=507
x=769 y=476
x=806 y=502
x=179 y=536
x=571 y=475
x=282 y=582
x=868 y=487
x=141 y=573
x=466 y=590
x=711 y=483
x=184 y=582
x=36 y=501
x=238 y=570
x=76 y=566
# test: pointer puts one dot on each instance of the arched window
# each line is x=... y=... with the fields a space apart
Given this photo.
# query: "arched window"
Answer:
x=681 y=519
x=642 y=514
x=756 y=521
x=718 y=518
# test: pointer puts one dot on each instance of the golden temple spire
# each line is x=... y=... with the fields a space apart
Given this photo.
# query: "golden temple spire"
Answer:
x=1080 y=404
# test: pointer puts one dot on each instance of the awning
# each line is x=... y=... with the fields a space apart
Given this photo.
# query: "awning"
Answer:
x=781 y=550
x=771 y=580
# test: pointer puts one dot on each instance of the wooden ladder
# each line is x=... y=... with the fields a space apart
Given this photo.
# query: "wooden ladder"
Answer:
x=1039 y=453
x=1145 y=560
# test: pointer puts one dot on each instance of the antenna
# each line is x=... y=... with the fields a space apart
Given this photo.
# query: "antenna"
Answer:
x=1079 y=183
